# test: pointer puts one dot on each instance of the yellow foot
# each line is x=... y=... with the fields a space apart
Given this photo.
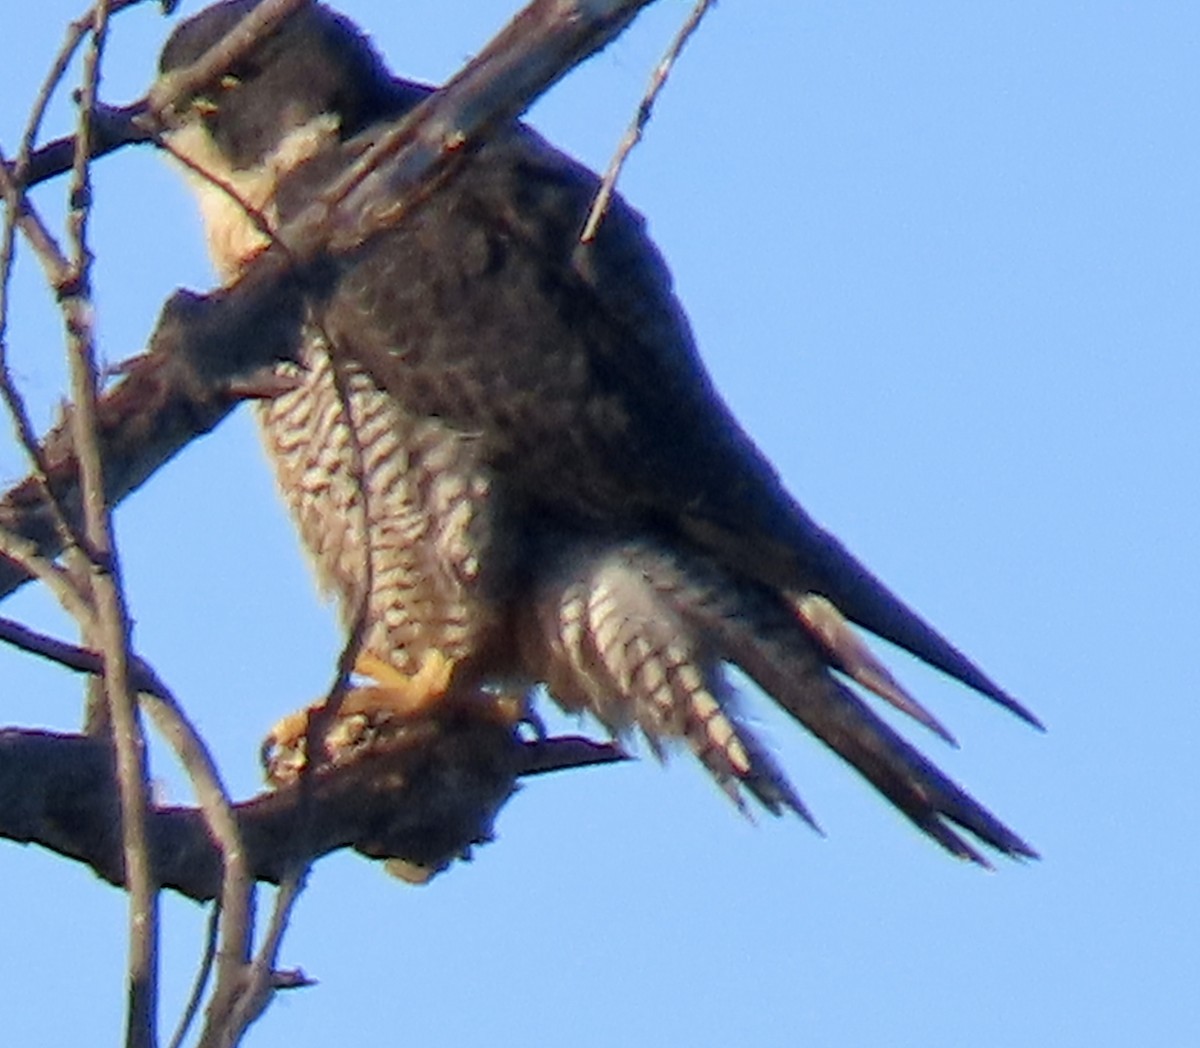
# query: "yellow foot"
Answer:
x=364 y=715
x=429 y=688
x=372 y=713
x=405 y=695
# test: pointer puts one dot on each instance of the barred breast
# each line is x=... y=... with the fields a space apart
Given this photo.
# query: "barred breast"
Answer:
x=390 y=508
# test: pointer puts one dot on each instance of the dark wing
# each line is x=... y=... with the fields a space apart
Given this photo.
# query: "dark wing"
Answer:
x=576 y=368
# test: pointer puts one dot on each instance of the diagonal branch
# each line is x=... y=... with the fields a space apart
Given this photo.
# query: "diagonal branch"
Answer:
x=423 y=798
x=207 y=352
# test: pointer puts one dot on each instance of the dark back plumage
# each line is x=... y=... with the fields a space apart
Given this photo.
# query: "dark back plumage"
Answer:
x=568 y=488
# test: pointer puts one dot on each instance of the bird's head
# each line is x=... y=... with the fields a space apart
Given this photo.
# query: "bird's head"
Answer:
x=317 y=66
x=299 y=91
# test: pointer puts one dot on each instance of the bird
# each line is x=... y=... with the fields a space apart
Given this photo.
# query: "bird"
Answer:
x=502 y=450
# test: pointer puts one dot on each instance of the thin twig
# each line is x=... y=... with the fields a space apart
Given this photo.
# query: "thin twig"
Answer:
x=224 y=1029
x=178 y=731
x=423 y=153
x=112 y=618
x=236 y=929
x=19 y=212
x=633 y=134
x=76 y=31
x=54 y=262
x=27 y=437
x=237 y=883
x=285 y=901
x=8 y=234
x=15 y=402
x=8 y=238
x=124 y=125
x=62 y=584
x=15 y=204
x=256 y=25
x=203 y=971
x=72 y=656
x=261 y=223
x=214 y=800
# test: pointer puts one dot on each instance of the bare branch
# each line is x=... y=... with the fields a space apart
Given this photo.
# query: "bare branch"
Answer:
x=68 y=587
x=203 y=971
x=31 y=226
x=113 y=127
x=535 y=50
x=633 y=135
x=256 y=25
x=206 y=348
x=72 y=656
x=111 y=622
x=13 y=399
x=230 y=1018
x=423 y=798
x=76 y=31
x=151 y=415
x=237 y=884
x=215 y=804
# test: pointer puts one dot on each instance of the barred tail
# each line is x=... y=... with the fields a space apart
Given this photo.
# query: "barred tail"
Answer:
x=638 y=636
x=778 y=651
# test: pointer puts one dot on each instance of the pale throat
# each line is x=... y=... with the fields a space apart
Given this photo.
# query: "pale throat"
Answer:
x=237 y=206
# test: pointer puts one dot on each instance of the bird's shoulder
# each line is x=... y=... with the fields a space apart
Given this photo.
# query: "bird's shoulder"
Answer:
x=574 y=362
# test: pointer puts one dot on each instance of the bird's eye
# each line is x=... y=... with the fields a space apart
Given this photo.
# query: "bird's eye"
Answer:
x=204 y=105
x=229 y=82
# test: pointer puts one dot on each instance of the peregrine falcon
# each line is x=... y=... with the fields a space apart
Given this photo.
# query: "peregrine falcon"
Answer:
x=503 y=445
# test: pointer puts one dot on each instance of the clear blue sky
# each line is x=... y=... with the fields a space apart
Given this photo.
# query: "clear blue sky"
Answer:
x=943 y=260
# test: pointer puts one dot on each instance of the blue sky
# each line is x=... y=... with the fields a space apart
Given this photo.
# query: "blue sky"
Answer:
x=943 y=261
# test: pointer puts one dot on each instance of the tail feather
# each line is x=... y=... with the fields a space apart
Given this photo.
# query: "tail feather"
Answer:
x=606 y=640
x=851 y=655
x=913 y=784
x=789 y=551
x=788 y=665
x=865 y=600
x=639 y=635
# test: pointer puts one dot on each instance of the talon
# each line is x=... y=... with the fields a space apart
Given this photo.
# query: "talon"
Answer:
x=373 y=712
x=408 y=695
x=363 y=712
x=282 y=753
